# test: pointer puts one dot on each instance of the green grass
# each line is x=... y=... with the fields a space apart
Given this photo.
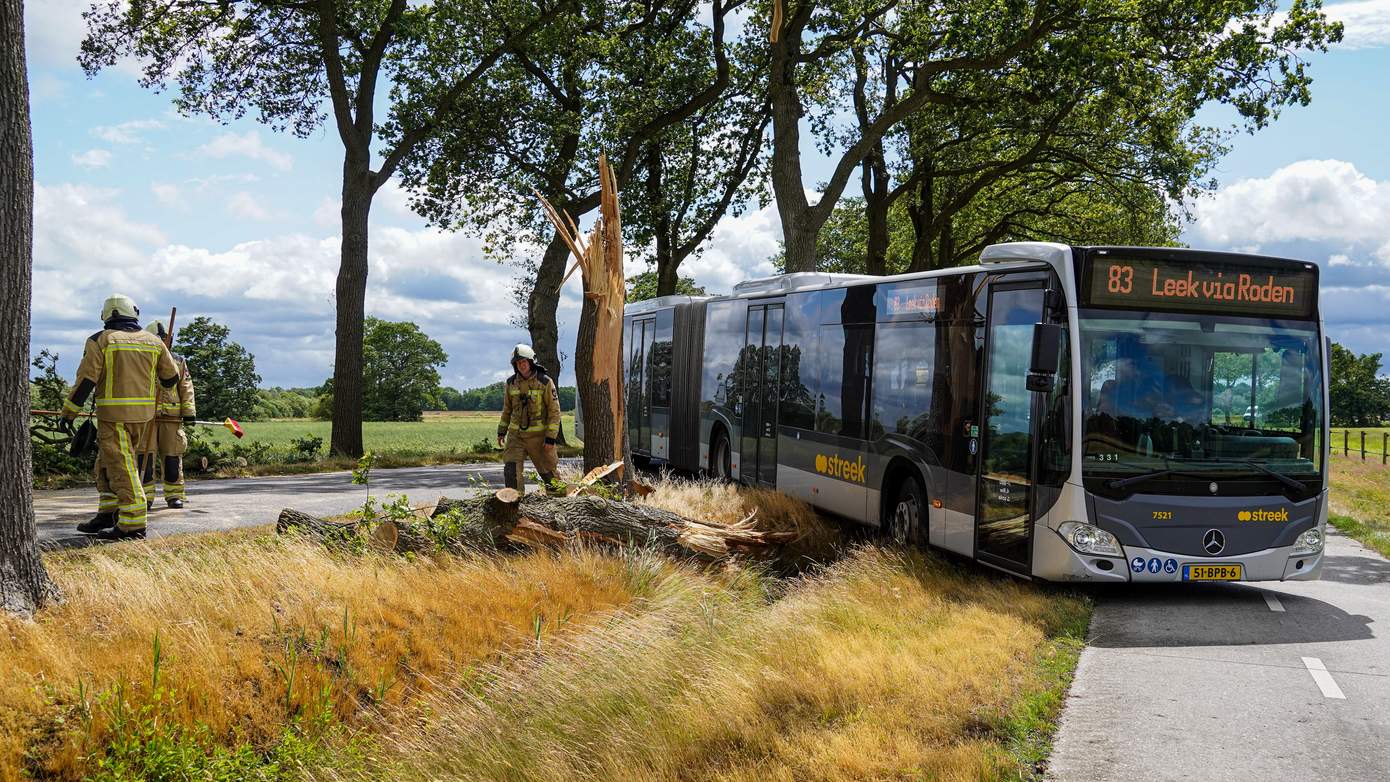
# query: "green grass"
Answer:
x=1359 y=505
x=1347 y=440
x=439 y=433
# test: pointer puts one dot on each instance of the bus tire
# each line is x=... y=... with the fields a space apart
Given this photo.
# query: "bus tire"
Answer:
x=906 y=522
x=720 y=457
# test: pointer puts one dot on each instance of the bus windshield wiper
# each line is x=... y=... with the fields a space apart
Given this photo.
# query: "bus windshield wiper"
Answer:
x=1284 y=479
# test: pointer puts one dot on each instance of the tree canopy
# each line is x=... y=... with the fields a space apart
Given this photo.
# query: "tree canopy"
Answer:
x=1357 y=393
x=401 y=368
x=223 y=372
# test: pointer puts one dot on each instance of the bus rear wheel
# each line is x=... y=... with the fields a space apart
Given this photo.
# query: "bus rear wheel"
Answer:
x=719 y=460
x=906 y=522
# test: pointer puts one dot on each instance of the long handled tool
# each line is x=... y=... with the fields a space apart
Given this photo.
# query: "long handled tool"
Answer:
x=230 y=424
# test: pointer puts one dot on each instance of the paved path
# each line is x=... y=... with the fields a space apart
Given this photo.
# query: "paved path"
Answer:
x=1227 y=681
x=247 y=502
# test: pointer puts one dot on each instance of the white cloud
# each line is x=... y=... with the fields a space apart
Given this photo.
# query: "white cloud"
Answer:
x=244 y=205
x=738 y=249
x=247 y=145
x=92 y=158
x=327 y=213
x=1339 y=259
x=1366 y=23
x=276 y=294
x=53 y=31
x=126 y=132
x=1320 y=200
x=167 y=194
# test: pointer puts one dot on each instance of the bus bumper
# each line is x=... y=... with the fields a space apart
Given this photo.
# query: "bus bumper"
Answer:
x=1054 y=560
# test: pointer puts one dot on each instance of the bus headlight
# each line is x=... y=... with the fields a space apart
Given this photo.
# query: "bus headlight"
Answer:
x=1089 y=539
x=1309 y=542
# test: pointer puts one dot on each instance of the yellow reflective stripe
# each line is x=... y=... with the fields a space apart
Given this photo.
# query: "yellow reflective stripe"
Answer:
x=113 y=347
x=68 y=405
x=128 y=458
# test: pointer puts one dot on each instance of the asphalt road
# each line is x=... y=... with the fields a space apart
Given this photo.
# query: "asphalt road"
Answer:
x=248 y=502
x=1275 y=681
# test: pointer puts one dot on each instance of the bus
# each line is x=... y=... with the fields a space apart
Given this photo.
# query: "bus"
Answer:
x=1060 y=413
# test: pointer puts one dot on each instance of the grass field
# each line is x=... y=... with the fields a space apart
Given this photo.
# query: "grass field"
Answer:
x=438 y=433
x=248 y=655
x=1359 y=504
x=1347 y=440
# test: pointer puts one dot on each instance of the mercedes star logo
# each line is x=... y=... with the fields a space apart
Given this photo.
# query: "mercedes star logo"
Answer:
x=1214 y=542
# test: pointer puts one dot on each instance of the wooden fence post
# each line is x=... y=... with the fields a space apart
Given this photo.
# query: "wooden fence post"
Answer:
x=1384 y=446
x=1363 y=445
x=1346 y=435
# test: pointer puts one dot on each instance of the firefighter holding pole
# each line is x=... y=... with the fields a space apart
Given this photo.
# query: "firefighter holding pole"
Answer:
x=167 y=441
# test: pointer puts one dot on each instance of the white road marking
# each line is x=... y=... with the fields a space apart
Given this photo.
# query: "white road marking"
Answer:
x=1323 y=679
x=1273 y=602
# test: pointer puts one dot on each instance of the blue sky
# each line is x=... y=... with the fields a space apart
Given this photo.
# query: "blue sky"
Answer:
x=239 y=223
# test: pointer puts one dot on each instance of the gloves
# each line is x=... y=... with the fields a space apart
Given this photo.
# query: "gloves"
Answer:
x=65 y=424
x=189 y=420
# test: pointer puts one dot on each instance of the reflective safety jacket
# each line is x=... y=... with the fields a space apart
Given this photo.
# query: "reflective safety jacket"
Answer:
x=176 y=404
x=125 y=366
x=530 y=404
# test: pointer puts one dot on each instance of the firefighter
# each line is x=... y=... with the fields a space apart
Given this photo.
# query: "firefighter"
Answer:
x=167 y=441
x=124 y=365
x=530 y=420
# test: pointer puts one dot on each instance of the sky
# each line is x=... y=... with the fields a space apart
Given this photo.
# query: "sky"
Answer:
x=240 y=224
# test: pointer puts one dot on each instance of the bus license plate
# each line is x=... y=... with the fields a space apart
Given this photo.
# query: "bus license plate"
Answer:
x=1211 y=572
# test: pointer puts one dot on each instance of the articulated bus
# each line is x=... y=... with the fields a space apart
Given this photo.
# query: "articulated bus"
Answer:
x=1060 y=413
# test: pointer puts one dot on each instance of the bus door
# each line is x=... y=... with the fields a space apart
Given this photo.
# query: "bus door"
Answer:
x=1003 y=518
x=761 y=358
x=639 y=398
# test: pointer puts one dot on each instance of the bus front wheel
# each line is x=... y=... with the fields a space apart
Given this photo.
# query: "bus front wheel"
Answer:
x=907 y=518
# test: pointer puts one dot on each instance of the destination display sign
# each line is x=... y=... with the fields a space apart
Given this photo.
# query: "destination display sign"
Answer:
x=1202 y=286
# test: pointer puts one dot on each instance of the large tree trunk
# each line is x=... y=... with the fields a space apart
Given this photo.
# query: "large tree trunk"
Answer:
x=922 y=211
x=24 y=584
x=541 y=307
x=595 y=399
x=352 y=294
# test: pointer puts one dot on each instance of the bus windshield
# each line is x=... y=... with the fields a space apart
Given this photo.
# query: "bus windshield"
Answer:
x=1204 y=395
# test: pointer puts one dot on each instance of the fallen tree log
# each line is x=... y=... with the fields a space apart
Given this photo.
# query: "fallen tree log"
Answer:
x=504 y=519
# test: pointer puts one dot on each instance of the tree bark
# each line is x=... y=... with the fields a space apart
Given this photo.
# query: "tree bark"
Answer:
x=595 y=399
x=24 y=583
x=543 y=303
x=351 y=305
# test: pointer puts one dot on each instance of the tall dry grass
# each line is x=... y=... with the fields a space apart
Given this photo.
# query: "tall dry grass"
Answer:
x=255 y=631
x=882 y=666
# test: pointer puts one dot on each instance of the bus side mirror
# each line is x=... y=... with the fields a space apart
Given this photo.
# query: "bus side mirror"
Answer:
x=1042 y=367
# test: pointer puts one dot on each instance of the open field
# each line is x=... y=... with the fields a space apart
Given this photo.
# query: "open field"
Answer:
x=1347 y=440
x=439 y=433
x=1359 y=504
x=252 y=656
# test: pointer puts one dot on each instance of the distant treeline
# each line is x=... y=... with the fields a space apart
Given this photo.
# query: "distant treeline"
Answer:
x=490 y=398
x=310 y=402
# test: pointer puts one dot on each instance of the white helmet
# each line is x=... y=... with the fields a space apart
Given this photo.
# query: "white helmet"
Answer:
x=523 y=351
x=156 y=328
x=117 y=304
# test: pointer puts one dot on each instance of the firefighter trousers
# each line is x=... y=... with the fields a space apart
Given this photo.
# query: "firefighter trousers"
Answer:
x=119 y=488
x=165 y=446
x=520 y=446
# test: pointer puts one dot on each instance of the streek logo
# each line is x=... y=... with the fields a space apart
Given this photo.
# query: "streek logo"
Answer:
x=1263 y=515
x=835 y=467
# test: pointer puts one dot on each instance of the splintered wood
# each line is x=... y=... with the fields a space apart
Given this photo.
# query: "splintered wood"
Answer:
x=599 y=257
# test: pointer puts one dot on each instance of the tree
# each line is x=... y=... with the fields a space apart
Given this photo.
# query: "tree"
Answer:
x=641 y=287
x=933 y=55
x=451 y=398
x=611 y=78
x=1357 y=394
x=24 y=583
x=401 y=368
x=224 y=373
x=287 y=60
